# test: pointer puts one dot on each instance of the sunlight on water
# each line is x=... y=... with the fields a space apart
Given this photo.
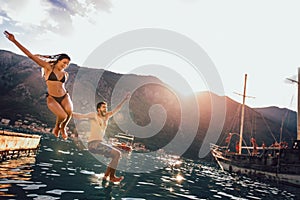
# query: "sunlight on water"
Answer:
x=31 y=186
x=48 y=149
x=42 y=197
x=179 y=178
x=87 y=172
x=145 y=183
x=61 y=171
x=60 y=192
x=64 y=152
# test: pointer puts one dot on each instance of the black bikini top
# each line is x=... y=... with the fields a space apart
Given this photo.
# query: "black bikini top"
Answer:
x=53 y=77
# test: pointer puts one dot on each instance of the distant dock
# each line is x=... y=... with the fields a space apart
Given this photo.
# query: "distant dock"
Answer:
x=13 y=145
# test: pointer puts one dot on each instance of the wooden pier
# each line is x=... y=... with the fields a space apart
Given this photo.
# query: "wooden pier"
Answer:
x=13 y=145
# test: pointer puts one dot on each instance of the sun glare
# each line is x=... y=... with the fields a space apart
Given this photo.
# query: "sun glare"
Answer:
x=179 y=178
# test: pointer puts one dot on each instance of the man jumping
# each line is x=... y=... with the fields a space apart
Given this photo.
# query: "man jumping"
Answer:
x=98 y=123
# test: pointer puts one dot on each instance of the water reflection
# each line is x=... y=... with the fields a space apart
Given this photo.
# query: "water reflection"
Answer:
x=62 y=171
x=185 y=179
x=16 y=171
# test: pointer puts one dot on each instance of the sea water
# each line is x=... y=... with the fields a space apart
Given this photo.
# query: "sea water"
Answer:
x=63 y=170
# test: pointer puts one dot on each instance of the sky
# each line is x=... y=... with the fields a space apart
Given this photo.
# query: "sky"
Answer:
x=257 y=38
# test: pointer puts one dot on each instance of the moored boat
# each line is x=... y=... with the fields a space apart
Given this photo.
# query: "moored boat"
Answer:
x=277 y=162
x=123 y=142
x=14 y=144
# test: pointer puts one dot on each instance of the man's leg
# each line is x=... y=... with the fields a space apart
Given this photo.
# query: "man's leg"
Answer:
x=107 y=173
x=114 y=178
x=111 y=169
x=100 y=148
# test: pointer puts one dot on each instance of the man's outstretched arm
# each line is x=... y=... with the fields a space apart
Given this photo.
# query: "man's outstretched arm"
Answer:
x=119 y=106
x=90 y=115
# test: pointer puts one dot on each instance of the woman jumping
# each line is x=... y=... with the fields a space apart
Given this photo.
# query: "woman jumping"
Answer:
x=58 y=99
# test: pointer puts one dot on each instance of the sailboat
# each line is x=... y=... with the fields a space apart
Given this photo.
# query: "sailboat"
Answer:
x=277 y=162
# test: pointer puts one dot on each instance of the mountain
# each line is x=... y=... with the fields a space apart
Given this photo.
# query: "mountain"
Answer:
x=157 y=115
x=282 y=115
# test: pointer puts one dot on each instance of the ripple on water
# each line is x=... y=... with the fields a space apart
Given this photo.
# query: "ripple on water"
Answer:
x=42 y=197
x=187 y=196
x=147 y=183
x=230 y=196
x=87 y=172
x=253 y=197
x=56 y=161
x=262 y=191
x=53 y=174
x=165 y=180
x=45 y=164
x=32 y=186
x=71 y=169
x=217 y=196
x=60 y=192
x=14 y=182
x=64 y=152
x=48 y=149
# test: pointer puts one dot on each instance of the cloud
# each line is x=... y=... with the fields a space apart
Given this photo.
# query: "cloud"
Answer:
x=3 y=18
x=49 y=15
x=104 y=5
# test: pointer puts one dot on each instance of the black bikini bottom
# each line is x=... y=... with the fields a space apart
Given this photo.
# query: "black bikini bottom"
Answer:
x=57 y=99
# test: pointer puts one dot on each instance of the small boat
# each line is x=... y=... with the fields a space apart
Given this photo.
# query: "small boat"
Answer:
x=140 y=148
x=277 y=162
x=122 y=141
x=14 y=144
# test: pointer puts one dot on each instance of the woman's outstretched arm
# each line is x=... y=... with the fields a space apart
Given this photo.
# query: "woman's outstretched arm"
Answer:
x=35 y=58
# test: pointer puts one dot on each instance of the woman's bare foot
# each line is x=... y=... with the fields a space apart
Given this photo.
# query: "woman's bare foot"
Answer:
x=56 y=131
x=116 y=179
x=64 y=134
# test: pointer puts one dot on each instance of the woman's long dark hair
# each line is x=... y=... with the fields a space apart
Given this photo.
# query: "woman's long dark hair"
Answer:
x=53 y=59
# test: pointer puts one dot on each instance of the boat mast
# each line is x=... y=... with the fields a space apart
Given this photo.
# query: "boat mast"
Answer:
x=298 y=108
x=242 y=116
